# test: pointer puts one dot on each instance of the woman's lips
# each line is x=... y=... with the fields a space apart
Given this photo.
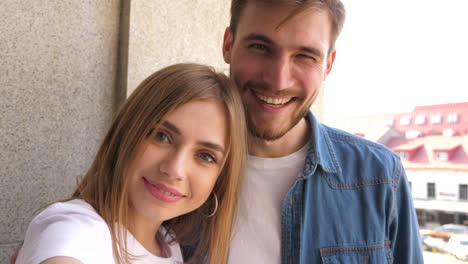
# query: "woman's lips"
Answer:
x=162 y=192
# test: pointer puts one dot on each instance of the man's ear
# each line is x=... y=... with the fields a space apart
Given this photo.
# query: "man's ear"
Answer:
x=330 y=61
x=227 y=45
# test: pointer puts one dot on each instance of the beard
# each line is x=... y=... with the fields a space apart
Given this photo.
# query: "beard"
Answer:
x=266 y=133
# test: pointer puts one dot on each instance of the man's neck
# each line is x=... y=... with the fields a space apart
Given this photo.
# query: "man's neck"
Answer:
x=291 y=142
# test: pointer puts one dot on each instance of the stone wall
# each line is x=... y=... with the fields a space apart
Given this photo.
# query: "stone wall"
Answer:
x=58 y=65
x=179 y=31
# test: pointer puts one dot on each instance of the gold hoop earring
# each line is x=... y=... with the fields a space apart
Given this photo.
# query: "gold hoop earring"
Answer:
x=216 y=206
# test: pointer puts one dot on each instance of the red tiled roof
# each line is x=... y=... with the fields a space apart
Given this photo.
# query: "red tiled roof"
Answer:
x=424 y=158
x=420 y=141
x=460 y=127
x=450 y=107
x=412 y=146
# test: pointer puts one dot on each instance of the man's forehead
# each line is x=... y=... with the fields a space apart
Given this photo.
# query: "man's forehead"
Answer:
x=310 y=28
x=278 y=15
x=290 y=9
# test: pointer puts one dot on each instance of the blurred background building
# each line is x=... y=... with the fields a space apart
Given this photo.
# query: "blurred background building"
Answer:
x=432 y=142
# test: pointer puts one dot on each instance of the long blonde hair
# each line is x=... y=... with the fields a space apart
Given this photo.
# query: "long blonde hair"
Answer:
x=105 y=186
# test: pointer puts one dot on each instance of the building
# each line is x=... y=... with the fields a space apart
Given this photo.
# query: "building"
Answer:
x=432 y=142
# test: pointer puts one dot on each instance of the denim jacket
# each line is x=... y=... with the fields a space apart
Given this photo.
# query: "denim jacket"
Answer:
x=352 y=204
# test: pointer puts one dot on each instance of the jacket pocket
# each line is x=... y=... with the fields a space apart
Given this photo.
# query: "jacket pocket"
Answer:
x=368 y=254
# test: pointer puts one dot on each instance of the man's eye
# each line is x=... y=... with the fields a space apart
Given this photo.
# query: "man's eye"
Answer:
x=258 y=46
x=307 y=57
x=207 y=157
x=160 y=136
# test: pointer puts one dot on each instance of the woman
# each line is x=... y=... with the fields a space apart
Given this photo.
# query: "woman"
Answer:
x=166 y=174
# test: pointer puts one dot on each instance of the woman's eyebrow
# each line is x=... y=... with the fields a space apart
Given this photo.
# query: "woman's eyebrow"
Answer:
x=207 y=144
x=171 y=127
x=212 y=146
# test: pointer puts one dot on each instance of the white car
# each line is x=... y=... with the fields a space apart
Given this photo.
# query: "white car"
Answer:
x=434 y=243
x=458 y=246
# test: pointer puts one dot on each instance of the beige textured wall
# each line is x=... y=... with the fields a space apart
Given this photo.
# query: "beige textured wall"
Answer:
x=168 y=32
x=58 y=63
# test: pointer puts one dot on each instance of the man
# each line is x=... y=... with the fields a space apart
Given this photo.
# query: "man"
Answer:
x=312 y=194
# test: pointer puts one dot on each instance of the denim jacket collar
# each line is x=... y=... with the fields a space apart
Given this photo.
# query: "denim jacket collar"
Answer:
x=320 y=151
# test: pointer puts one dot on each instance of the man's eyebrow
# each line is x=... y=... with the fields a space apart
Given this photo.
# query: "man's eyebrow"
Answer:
x=212 y=146
x=171 y=127
x=312 y=50
x=258 y=37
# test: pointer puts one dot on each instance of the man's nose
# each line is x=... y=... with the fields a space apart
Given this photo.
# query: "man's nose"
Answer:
x=175 y=166
x=278 y=74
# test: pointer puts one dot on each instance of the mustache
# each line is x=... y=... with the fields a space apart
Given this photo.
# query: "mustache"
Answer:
x=263 y=87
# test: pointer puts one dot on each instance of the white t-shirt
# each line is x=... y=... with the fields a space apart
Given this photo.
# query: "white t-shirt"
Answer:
x=74 y=229
x=257 y=232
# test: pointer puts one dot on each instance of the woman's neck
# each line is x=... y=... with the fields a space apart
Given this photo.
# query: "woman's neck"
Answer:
x=145 y=231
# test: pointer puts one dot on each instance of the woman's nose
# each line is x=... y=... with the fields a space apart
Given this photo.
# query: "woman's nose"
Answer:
x=175 y=165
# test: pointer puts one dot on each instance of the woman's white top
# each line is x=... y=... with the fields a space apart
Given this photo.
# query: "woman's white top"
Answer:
x=74 y=229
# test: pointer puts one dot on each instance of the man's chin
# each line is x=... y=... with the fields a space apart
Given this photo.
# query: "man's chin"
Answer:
x=267 y=134
x=272 y=133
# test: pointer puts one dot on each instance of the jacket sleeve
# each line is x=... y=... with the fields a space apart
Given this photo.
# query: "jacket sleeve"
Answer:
x=404 y=230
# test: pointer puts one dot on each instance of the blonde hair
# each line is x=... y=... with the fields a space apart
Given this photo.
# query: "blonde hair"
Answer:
x=105 y=186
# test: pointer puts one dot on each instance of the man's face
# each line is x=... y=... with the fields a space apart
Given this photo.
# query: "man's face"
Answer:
x=279 y=70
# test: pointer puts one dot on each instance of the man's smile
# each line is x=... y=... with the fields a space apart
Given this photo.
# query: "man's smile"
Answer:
x=273 y=101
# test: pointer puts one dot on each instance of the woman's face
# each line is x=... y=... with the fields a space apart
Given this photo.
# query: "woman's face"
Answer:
x=175 y=171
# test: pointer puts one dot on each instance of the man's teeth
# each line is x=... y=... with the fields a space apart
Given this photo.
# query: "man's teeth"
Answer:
x=164 y=192
x=273 y=101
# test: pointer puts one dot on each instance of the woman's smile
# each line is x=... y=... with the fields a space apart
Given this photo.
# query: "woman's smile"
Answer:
x=163 y=192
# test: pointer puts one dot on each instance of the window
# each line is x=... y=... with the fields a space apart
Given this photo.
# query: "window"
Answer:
x=441 y=155
x=431 y=190
x=390 y=121
x=430 y=217
x=412 y=134
x=452 y=118
x=436 y=119
x=403 y=155
x=434 y=133
x=463 y=191
x=405 y=120
x=448 y=132
x=420 y=120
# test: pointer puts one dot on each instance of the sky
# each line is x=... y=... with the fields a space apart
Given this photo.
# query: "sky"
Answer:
x=394 y=55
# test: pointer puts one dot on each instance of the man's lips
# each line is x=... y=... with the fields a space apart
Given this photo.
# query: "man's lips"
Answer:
x=275 y=102
x=162 y=192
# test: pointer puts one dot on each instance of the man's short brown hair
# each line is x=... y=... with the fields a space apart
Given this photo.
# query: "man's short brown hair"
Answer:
x=334 y=8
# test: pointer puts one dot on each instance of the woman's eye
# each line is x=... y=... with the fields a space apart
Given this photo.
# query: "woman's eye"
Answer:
x=207 y=157
x=160 y=136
